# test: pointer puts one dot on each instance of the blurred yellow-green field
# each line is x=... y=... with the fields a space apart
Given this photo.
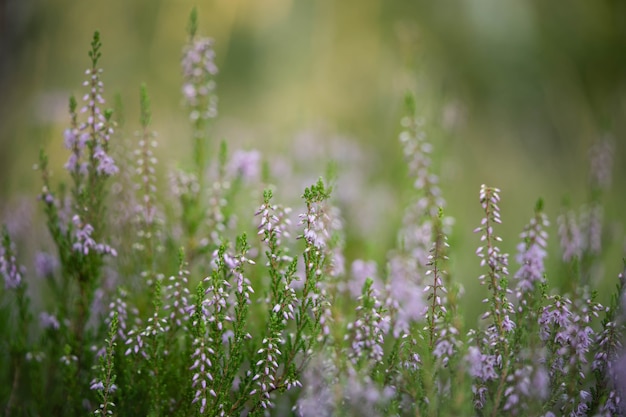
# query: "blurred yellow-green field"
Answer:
x=513 y=95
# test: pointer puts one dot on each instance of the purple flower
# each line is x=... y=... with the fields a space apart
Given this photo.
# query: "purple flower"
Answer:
x=368 y=330
x=84 y=243
x=45 y=264
x=601 y=158
x=246 y=164
x=9 y=269
x=48 y=321
x=404 y=295
x=177 y=298
x=202 y=379
x=531 y=255
x=106 y=164
x=198 y=71
x=572 y=243
x=482 y=366
x=361 y=271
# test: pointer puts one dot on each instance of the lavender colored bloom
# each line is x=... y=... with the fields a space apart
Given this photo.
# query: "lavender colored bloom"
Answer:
x=482 y=366
x=106 y=164
x=91 y=136
x=531 y=255
x=601 y=158
x=84 y=243
x=591 y=226
x=9 y=268
x=316 y=230
x=361 y=271
x=532 y=267
x=48 y=321
x=274 y=222
x=417 y=154
x=318 y=398
x=572 y=243
x=199 y=68
x=368 y=330
x=45 y=264
x=177 y=298
x=527 y=383
x=119 y=306
x=404 y=295
x=202 y=379
x=97 y=385
x=246 y=164
x=267 y=369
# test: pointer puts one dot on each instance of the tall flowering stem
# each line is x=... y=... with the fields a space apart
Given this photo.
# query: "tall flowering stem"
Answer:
x=497 y=266
x=199 y=70
x=99 y=129
x=609 y=393
x=565 y=327
x=147 y=215
x=366 y=334
x=12 y=273
x=314 y=296
x=531 y=255
x=498 y=334
x=78 y=231
x=105 y=385
x=408 y=265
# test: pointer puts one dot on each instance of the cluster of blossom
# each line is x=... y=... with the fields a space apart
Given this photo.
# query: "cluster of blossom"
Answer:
x=524 y=384
x=184 y=184
x=404 y=293
x=245 y=164
x=531 y=254
x=48 y=321
x=570 y=235
x=444 y=335
x=316 y=224
x=84 y=243
x=275 y=223
x=611 y=366
x=601 y=159
x=118 y=307
x=327 y=391
x=216 y=220
x=105 y=385
x=581 y=235
x=360 y=271
x=46 y=264
x=317 y=397
x=269 y=368
x=496 y=263
x=199 y=68
x=97 y=130
x=565 y=327
x=177 y=298
x=146 y=210
x=9 y=268
x=407 y=267
x=417 y=154
x=235 y=264
x=317 y=230
x=367 y=333
x=493 y=354
x=202 y=376
x=76 y=142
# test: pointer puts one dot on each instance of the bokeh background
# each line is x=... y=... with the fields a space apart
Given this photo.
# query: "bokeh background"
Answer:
x=513 y=95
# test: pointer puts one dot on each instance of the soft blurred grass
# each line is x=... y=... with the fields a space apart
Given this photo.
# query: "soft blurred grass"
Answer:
x=514 y=93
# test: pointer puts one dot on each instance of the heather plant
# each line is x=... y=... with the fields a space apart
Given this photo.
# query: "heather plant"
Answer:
x=201 y=300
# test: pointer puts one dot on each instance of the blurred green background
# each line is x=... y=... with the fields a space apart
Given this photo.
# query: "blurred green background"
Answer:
x=514 y=94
